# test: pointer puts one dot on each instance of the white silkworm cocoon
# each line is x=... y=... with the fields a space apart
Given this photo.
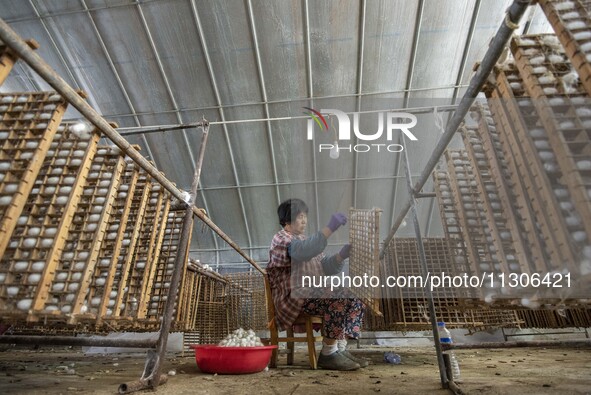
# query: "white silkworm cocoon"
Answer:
x=24 y=304
x=525 y=41
x=547 y=79
x=575 y=25
x=537 y=133
x=542 y=144
x=34 y=231
x=38 y=266
x=12 y=291
x=556 y=101
x=566 y=5
x=570 y=15
x=5 y=200
x=579 y=236
x=553 y=58
x=584 y=165
x=46 y=243
x=61 y=200
x=551 y=41
x=572 y=221
x=582 y=35
x=583 y=112
x=29 y=242
x=21 y=266
x=61 y=276
x=515 y=85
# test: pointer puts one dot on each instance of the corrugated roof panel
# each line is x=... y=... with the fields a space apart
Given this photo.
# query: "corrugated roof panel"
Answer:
x=261 y=206
x=230 y=46
x=442 y=37
x=134 y=59
x=181 y=53
x=250 y=146
x=279 y=27
x=334 y=28
x=227 y=213
x=389 y=27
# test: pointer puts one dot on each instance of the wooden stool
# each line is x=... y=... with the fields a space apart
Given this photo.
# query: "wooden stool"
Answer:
x=305 y=320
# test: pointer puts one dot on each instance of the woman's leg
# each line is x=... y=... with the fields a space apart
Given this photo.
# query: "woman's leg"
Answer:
x=342 y=317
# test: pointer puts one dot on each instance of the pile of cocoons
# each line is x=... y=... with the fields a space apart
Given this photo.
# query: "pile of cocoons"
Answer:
x=241 y=338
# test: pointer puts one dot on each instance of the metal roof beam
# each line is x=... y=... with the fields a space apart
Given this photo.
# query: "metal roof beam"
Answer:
x=310 y=81
x=251 y=104
x=362 y=10
x=413 y=53
x=328 y=181
x=407 y=89
x=467 y=47
x=394 y=194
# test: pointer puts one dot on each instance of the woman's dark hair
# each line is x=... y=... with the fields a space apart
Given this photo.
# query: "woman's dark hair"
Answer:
x=289 y=209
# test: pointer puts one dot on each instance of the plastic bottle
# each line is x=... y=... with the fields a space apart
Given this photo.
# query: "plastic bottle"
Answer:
x=392 y=358
x=445 y=338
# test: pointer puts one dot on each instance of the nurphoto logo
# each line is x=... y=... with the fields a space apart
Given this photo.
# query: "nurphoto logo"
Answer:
x=395 y=121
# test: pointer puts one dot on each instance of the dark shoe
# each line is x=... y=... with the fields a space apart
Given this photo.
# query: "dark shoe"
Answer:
x=360 y=361
x=336 y=361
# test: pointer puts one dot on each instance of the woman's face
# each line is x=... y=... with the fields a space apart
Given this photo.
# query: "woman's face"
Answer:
x=298 y=226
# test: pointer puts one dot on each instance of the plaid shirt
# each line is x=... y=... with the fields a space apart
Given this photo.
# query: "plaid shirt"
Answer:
x=279 y=268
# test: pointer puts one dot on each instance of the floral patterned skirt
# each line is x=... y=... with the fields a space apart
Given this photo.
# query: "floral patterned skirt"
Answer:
x=342 y=317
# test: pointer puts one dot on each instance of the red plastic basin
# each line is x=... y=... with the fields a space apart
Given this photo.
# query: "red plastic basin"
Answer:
x=232 y=360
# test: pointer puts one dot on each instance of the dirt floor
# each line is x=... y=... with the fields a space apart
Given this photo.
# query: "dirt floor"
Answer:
x=510 y=371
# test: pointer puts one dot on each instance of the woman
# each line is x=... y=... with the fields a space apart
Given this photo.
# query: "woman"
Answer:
x=292 y=255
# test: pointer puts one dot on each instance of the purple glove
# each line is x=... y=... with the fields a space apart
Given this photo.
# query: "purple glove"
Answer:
x=336 y=221
x=345 y=252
